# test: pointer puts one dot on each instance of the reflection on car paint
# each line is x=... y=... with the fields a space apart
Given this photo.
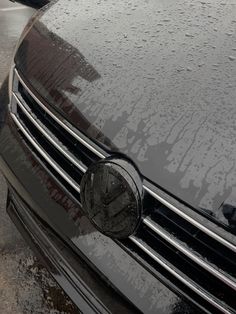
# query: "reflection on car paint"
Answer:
x=174 y=118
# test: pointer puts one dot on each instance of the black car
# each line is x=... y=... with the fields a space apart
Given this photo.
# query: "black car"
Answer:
x=118 y=130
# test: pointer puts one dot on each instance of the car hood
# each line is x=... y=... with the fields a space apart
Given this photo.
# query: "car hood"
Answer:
x=154 y=80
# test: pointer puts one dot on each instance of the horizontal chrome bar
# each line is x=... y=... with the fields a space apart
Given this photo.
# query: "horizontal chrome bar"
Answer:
x=174 y=242
x=181 y=277
x=40 y=150
x=63 y=125
x=192 y=221
x=155 y=195
x=64 y=152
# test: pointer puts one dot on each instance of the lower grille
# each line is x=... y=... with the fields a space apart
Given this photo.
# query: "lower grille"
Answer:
x=189 y=256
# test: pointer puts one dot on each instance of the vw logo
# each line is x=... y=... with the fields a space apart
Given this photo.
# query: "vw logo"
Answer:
x=111 y=195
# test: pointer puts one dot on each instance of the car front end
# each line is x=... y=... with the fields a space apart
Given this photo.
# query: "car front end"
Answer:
x=91 y=188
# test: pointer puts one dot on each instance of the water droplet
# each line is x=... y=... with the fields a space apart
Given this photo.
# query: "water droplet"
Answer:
x=188 y=35
x=201 y=64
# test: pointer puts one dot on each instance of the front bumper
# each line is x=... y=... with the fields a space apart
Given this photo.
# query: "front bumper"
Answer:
x=68 y=270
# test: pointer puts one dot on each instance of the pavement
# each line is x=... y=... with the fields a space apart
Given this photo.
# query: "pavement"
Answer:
x=25 y=285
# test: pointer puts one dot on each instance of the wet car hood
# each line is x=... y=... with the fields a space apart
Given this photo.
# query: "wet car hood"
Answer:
x=153 y=79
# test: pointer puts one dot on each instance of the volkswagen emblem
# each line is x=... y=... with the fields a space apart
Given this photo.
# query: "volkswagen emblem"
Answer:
x=111 y=195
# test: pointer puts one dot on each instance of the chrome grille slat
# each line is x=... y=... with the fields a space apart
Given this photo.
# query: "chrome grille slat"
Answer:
x=69 y=130
x=198 y=260
x=191 y=220
x=66 y=153
x=188 y=282
x=52 y=163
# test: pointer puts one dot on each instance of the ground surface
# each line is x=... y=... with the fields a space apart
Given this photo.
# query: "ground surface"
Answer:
x=25 y=285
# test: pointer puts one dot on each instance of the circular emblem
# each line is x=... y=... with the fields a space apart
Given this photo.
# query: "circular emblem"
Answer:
x=111 y=195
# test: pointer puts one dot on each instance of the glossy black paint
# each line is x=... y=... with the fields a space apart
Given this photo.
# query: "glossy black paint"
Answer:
x=154 y=80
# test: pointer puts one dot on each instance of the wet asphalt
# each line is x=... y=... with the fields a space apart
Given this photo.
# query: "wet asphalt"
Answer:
x=25 y=285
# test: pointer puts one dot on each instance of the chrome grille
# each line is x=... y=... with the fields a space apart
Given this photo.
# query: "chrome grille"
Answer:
x=198 y=261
